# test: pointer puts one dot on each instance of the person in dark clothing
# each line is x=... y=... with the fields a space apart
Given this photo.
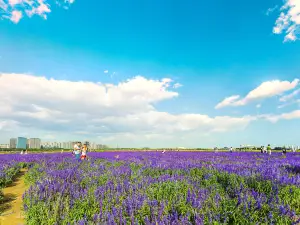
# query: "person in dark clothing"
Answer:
x=284 y=150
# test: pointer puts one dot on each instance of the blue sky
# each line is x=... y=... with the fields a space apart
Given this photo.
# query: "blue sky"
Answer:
x=213 y=49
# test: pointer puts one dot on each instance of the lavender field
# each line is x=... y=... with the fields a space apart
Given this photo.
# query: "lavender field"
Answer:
x=155 y=188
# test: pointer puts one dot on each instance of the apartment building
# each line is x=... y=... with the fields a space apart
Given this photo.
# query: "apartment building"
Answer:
x=34 y=143
x=4 y=146
x=13 y=143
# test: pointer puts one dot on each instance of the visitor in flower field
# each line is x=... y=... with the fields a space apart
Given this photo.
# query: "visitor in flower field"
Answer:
x=231 y=149
x=269 y=149
x=22 y=152
x=265 y=149
x=84 y=152
x=261 y=149
x=284 y=151
x=77 y=148
x=216 y=149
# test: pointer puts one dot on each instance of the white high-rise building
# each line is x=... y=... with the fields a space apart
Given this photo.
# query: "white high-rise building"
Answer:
x=93 y=146
x=13 y=143
x=34 y=143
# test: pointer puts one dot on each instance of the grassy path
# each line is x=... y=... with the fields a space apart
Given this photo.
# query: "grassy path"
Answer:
x=12 y=205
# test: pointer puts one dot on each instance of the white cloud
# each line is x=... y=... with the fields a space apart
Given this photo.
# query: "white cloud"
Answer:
x=265 y=90
x=177 y=85
x=3 y=5
x=296 y=101
x=15 y=9
x=289 y=96
x=48 y=137
x=285 y=116
x=8 y=125
x=16 y=16
x=42 y=105
x=270 y=10
x=14 y=2
x=288 y=20
x=227 y=101
x=105 y=71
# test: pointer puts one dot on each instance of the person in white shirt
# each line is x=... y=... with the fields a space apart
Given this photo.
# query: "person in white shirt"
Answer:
x=265 y=149
x=77 y=148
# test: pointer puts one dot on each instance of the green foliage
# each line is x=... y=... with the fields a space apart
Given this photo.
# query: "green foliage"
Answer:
x=34 y=174
x=220 y=197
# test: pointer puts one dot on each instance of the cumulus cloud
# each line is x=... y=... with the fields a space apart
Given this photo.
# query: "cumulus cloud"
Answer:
x=290 y=96
x=285 y=116
x=177 y=85
x=288 y=20
x=265 y=90
x=37 y=104
x=105 y=71
x=16 y=16
x=15 y=10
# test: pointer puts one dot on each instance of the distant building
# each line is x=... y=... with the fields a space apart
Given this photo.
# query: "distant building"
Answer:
x=13 y=143
x=34 y=143
x=4 y=145
x=21 y=143
x=70 y=145
x=66 y=145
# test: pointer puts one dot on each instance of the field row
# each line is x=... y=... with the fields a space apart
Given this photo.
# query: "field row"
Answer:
x=155 y=188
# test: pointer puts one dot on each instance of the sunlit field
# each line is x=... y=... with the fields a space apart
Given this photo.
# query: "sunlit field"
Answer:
x=156 y=188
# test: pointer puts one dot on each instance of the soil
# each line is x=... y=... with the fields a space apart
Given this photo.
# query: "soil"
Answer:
x=11 y=207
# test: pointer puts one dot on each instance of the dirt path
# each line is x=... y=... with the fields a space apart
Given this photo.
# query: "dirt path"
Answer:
x=12 y=206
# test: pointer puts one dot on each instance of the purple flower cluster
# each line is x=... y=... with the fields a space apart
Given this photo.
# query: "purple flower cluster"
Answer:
x=155 y=188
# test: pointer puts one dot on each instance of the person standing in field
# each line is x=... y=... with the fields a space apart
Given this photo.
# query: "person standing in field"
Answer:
x=269 y=149
x=77 y=148
x=284 y=151
x=231 y=149
x=84 y=152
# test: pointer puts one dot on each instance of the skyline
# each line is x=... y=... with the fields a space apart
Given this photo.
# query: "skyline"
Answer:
x=151 y=74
